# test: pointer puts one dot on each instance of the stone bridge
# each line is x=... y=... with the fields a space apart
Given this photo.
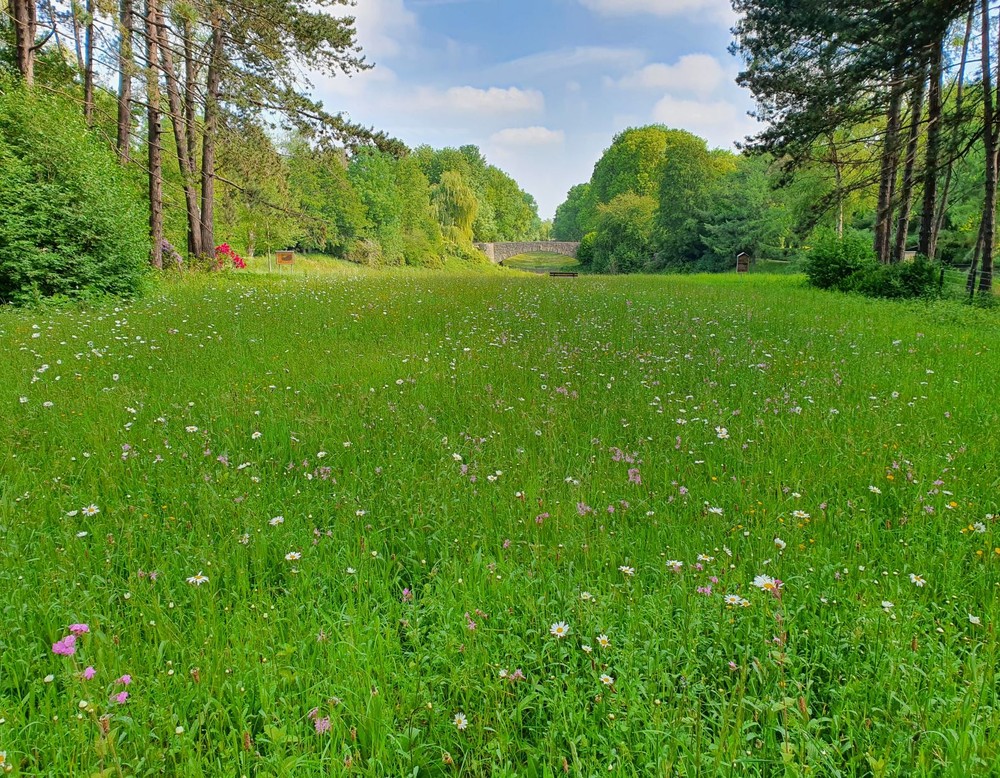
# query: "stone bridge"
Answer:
x=498 y=252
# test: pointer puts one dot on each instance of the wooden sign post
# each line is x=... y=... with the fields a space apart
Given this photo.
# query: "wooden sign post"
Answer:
x=742 y=262
x=286 y=258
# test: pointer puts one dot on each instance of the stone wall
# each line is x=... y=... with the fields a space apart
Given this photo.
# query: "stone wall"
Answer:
x=498 y=252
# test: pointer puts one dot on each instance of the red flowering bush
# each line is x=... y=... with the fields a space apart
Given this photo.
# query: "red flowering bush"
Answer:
x=224 y=252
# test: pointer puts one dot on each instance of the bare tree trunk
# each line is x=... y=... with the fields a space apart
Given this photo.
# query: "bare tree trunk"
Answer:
x=25 y=29
x=906 y=193
x=88 y=65
x=956 y=135
x=990 y=139
x=155 y=143
x=928 y=217
x=180 y=139
x=970 y=284
x=77 y=35
x=190 y=94
x=887 y=179
x=210 y=133
x=125 y=83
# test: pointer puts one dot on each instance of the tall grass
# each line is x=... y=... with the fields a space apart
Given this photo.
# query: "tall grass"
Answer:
x=462 y=463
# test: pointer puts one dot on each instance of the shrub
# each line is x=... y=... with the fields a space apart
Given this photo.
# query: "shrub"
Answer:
x=849 y=265
x=70 y=223
x=585 y=254
x=833 y=261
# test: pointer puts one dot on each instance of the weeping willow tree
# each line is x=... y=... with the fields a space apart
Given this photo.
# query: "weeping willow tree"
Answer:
x=457 y=207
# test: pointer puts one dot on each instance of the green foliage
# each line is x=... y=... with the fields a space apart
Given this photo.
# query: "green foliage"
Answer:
x=833 y=262
x=625 y=226
x=457 y=207
x=689 y=174
x=258 y=211
x=504 y=212
x=633 y=163
x=849 y=265
x=334 y=213
x=72 y=224
x=568 y=224
x=586 y=251
x=742 y=213
x=400 y=219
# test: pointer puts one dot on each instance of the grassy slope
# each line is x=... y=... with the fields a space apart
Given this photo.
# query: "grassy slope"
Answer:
x=543 y=262
x=475 y=440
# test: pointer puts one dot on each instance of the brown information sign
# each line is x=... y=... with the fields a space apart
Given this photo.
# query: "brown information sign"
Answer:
x=285 y=257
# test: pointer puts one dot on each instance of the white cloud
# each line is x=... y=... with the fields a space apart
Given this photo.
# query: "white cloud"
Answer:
x=572 y=59
x=472 y=100
x=528 y=136
x=385 y=27
x=718 y=121
x=716 y=10
x=699 y=74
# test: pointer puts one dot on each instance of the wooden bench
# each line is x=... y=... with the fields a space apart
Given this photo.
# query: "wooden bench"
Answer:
x=561 y=274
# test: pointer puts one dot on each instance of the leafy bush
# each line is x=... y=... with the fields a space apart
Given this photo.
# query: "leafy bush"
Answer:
x=586 y=251
x=833 y=261
x=625 y=226
x=70 y=223
x=848 y=264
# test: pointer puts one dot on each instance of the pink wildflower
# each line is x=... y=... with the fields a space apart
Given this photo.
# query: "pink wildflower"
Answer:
x=79 y=629
x=322 y=725
x=125 y=680
x=120 y=698
x=66 y=646
x=88 y=673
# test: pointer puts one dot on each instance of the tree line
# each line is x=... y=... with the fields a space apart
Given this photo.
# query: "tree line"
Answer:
x=879 y=117
x=207 y=101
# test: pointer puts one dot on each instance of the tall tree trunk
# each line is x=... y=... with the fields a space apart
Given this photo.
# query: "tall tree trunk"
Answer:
x=88 y=65
x=906 y=192
x=25 y=28
x=989 y=134
x=190 y=94
x=928 y=217
x=77 y=35
x=970 y=284
x=125 y=82
x=155 y=142
x=180 y=139
x=957 y=133
x=838 y=174
x=889 y=168
x=210 y=136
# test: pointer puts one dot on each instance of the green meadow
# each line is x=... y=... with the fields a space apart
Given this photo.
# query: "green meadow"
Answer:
x=427 y=524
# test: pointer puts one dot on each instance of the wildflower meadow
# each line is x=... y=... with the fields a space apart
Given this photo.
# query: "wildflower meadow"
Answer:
x=417 y=524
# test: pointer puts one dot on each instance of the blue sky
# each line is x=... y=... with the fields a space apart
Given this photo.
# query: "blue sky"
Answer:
x=542 y=86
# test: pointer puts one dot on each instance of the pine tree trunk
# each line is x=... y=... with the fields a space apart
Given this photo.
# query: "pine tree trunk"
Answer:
x=190 y=94
x=906 y=192
x=928 y=217
x=887 y=178
x=839 y=185
x=956 y=134
x=210 y=133
x=990 y=140
x=25 y=27
x=970 y=284
x=125 y=83
x=180 y=139
x=88 y=66
x=155 y=143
